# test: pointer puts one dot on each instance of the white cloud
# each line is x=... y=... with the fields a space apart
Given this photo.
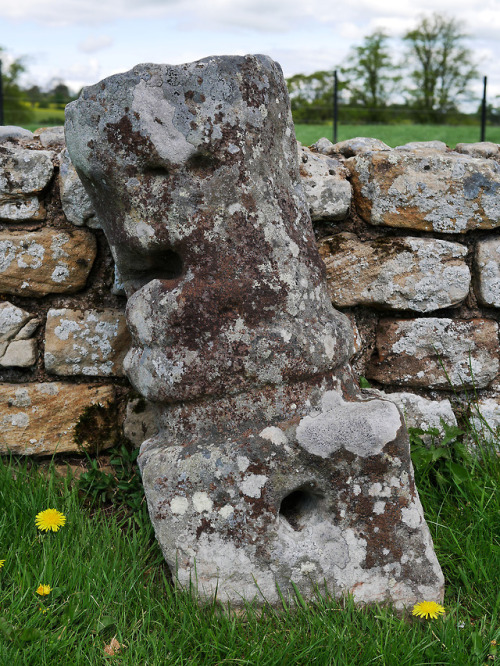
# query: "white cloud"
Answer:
x=95 y=43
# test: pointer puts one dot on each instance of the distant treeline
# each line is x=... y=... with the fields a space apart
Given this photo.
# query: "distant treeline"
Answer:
x=427 y=80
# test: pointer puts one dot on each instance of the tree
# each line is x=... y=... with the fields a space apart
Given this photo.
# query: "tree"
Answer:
x=59 y=94
x=311 y=96
x=17 y=110
x=442 y=65
x=370 y=74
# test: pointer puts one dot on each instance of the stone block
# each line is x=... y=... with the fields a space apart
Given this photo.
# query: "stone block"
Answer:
x=43 y=419
x=436 y=146
x=12 y=133
x=49 y=261
x=23 y=175
x=488 y=271
x=436 y=353
x=20 y=354
x=358 y=145
x=75 y=201
x=426 y=190
x=485 y=149
x=86 y=342
x=421 y=412
x=51 y=137
x=16 y=326
x=327 y=190
x=397 y=273
x=485 y=420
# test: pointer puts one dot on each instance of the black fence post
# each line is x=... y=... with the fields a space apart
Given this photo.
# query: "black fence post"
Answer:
x=483 y=110
x=335 y=106
x=1 y=95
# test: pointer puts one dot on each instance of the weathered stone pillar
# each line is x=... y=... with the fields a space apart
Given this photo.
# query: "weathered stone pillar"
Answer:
x=269 y=466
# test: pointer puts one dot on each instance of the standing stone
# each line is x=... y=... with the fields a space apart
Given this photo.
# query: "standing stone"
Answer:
x=269 y=467
x=44 y=262
x=400 y=273
x=436 y=353
x=86 y=342
x=426 y=190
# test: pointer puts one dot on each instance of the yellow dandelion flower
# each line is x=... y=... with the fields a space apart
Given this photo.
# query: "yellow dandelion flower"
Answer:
x=2 y=562
x=50 y=519
x=43 y=590
x=428 y=609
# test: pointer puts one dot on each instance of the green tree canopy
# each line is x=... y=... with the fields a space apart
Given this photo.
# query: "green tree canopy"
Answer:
x=16 y=109
x=370 y=72
x=311 y=96
x=442 y=66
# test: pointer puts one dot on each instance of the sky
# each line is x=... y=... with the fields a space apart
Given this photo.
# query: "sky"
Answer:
x=84 y=41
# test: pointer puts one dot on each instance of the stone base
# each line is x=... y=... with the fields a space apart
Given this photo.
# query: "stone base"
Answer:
x=307 y=484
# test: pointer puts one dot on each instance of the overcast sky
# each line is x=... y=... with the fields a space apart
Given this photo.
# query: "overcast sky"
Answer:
x=83 y=41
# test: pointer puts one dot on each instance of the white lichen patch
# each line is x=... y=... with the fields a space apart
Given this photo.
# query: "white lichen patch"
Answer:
x=362 y=428
x=252 y=485
x=202 y=502
x=179 y=505
x=274 y=435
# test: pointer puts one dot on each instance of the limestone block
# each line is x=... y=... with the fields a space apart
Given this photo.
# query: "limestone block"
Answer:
x=40 y=419
x=421 y=412
x=16 y=326
x=86 y=342
x=426 y=190
x=140 y=421
x=23 y=174
x=323 y=146
x=49 y=261
x=488 y=271
x=19 y=353
x=358 y=146
x=485 y=149
x=327 y=191
x=9 y=133
x=436 y=353
x=436 y=146
x=75 y=201
x=396 y=273
x=51 y=137
x=269 y=467
x=485 y=419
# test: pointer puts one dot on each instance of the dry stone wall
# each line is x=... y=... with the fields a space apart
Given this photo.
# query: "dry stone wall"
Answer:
x=409 y=236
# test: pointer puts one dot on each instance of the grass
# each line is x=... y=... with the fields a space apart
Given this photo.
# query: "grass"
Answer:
x=110 y=582
x=46 y=118
x=397 y=135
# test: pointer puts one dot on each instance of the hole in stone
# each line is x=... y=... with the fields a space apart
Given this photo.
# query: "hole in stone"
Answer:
x=160 y=265
x=297 y=507
x=160 y=171
x=202 y=161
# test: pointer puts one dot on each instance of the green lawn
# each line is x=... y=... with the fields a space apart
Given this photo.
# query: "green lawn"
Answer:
x=396 y=135
x=110 y=582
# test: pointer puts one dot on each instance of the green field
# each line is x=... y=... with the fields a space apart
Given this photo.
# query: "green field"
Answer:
x=397 y=135
x=393 y=135
x=46 y=118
